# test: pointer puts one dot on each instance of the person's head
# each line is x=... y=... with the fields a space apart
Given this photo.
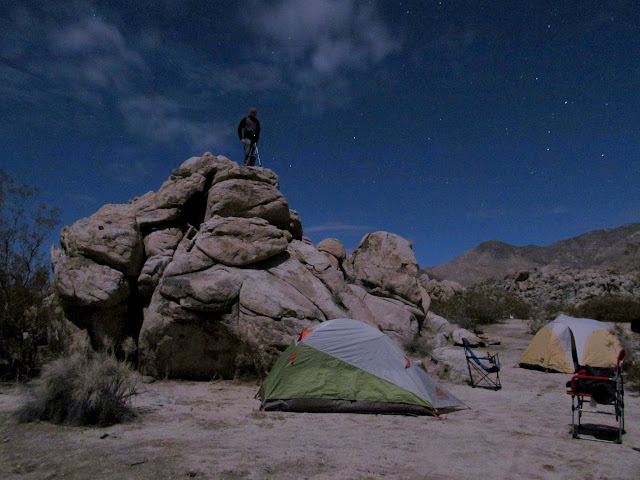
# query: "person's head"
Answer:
x=253 y=111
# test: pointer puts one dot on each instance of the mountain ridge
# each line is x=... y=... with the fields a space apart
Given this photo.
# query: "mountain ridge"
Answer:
x=616 y=249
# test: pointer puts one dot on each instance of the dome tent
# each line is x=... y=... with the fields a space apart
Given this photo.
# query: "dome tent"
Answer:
x=567 y=343
x=345 y=365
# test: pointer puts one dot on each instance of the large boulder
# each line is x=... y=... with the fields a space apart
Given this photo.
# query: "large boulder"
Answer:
x=392 y=316
x=437 y=324
x=211 y=290
x=238 y=197
x=262 y=310
x=384 y=264
x=333 y=247
x=95 y=298
x=110 y=236
x=81 y=282
x=448 y=363
x=265 y=295
x=295 y=225
x=194 y=346
x=180 y=198
x=319 y=265
x=162 y=242
x=178 y=189
x=236 y=172
x=292 y=271
x=151 y=273
x=241 y=241
x=334 y=250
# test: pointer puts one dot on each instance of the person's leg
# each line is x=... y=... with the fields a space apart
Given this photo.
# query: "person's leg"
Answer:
x=252 y=155
x=247 y=153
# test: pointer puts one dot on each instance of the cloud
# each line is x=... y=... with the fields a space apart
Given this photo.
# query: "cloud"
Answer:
x=252 y=75
x=87 y=36
x=82 y=52
x=326 y=35
x=330 y=34
x=318 y=45
x=69 y=54
x=164 y=120
x=91 y=54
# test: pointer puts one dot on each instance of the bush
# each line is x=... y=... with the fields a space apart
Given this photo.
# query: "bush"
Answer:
x=82 y=390
x=481 y=305
x=609 y=308
x=540 y=315
x=418 y=347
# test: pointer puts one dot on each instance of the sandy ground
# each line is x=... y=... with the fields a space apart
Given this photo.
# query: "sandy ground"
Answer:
x=215 y=430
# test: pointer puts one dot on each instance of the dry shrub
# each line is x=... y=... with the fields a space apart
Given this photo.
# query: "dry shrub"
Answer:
x=609 y=308
x=82 y=390
x=481 y=305
x=418 y=346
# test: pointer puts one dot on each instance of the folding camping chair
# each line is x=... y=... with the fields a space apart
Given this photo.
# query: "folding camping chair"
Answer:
x=484 y=371
x=598 y=386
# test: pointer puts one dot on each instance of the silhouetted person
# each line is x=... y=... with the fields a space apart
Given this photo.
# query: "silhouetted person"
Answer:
x=249 y=133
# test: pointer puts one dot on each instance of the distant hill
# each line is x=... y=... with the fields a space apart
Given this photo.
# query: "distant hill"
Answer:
x=615 y=249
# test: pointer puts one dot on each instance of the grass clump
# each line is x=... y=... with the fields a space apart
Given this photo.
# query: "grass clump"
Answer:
x=94 y=389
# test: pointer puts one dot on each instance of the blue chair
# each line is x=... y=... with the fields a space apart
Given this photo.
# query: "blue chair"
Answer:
x=483 y=371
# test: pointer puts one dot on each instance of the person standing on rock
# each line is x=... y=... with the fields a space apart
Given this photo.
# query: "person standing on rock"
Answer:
x=249 y=133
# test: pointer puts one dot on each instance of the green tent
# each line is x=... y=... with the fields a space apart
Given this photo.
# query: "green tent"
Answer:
x=345 y=365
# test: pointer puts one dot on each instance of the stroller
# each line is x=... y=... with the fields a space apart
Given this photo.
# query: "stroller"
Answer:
x=595 y=386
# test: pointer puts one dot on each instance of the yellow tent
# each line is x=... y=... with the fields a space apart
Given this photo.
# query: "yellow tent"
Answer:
x=568 y=343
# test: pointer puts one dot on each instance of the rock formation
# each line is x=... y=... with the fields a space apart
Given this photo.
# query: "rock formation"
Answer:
x=212 y=277
x=569 y=286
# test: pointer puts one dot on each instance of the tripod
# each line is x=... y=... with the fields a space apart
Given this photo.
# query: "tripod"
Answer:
x=254 y=153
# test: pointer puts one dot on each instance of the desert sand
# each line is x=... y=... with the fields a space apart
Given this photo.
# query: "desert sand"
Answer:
x=215 y=430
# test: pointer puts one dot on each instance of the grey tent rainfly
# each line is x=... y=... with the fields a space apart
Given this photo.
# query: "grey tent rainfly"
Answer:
x=345 y=365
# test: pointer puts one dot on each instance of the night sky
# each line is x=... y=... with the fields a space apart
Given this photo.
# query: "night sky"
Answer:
x=448 y=123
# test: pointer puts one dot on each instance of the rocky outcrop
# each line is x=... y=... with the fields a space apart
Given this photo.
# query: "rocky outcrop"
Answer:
x=439 y=289
x=564 y=285
x=384 y=265
x=334 y=250
x=111 y=237
x=212 y=276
